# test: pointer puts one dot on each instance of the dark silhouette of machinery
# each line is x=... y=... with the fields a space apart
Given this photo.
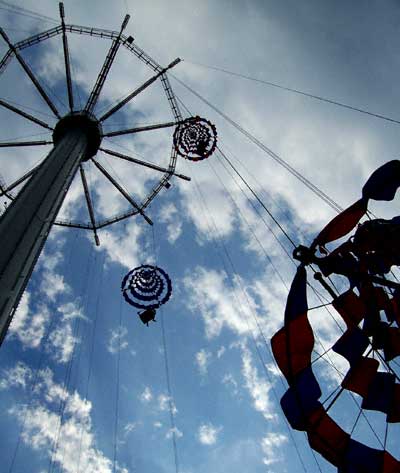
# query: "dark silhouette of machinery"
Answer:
x=370 y=310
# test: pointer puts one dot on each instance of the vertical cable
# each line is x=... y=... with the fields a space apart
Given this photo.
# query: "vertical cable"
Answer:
x=117 y=389
x=167 y=372
x=170 y=401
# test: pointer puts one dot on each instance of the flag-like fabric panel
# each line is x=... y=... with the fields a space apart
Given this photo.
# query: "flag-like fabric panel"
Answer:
x=383 y=182
x=342 y=224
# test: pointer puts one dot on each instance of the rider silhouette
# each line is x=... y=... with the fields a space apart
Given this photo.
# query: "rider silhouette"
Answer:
x=148 y=315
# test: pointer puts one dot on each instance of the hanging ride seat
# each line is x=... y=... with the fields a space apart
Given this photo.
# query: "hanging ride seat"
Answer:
x=147 y=316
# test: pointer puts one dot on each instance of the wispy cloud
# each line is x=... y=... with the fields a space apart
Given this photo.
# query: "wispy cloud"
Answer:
x=117 y=340
x=257 y=387
x=62 y=339
x=17 y=377
x=42 y=428
x=170 y=216
x=130 y=427
x=202 y=360
x=165 y=403
x=211 y=295
x=229 y=381
x=61 y=343
x=207 y=434
x=174 y=431
x=271 y=446
x=29 y=326
x=146 y=395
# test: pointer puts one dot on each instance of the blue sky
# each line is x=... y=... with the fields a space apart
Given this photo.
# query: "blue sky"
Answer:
x=76 y=349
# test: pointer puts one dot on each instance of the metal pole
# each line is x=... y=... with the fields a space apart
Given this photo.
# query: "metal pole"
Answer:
x=25 y=225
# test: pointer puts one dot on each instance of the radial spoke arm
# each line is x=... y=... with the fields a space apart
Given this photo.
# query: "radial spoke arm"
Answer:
x=66 y=59
x=3 y=189
x=94 y=95
x=28 y=71
x=143 y=163
x=129 y=131
x=13 y=144
x=89 y=204
x=24 y=114
x=122 y=191
x=136 y=92
x=6 y=59
x=20 y=180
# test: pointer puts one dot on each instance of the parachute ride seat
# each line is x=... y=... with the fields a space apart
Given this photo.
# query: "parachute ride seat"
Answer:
x=148 y=315
x=201 y=148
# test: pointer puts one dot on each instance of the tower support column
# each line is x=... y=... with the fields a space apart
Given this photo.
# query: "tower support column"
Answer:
x=25 y=225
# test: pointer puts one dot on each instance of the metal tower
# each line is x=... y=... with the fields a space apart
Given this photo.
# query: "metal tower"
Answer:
x=76 y=139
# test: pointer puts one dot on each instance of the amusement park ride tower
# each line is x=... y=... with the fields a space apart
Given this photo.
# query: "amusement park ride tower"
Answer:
x=76 y=139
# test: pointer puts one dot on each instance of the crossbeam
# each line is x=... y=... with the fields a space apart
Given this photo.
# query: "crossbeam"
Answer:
x=94 y=95
x=19 y=180
x=26 y=115
x=121 y=190
x=139 y=129
x=136 y=92
x=144 y=163
x=13 y=144
x=30 y=74
x=66 y=59
x=89 y=204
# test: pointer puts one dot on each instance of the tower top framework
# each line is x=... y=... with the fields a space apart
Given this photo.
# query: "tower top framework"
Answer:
x=76 y=139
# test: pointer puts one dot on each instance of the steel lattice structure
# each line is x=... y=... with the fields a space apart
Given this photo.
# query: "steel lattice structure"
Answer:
x=77 y=138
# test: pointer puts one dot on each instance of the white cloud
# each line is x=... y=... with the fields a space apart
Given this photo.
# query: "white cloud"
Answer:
x=207 y=434
x=173 y=432
x=203 y=359
x=62 y=340
x=219 y=304
x=123 y=246
x=117 y=340
x=53 y=284
x=221 y=351
x=71 y=310
x=271 y=446
x=41 y=428
x=29 y=327
x=274 y=370
x=61 y=343
x=166 y=403
x=130 y=427
x=169 y=215
x=146 y=395
x=229 y=381
x=258 y=388
x=17 y=377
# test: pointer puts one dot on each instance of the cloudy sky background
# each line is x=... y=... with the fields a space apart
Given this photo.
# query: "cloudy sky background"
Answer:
x=83 y=384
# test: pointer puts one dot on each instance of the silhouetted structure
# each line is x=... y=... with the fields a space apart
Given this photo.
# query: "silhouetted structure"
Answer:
x=77 y=138
x=370 y=310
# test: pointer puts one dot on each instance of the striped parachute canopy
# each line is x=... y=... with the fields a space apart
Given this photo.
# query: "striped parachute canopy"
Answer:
x=146 y=287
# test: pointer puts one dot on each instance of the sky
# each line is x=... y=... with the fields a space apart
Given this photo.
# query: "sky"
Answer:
x=83 y=383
